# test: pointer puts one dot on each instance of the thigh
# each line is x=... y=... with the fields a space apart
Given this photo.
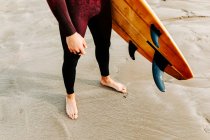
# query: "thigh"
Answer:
x=101 y=25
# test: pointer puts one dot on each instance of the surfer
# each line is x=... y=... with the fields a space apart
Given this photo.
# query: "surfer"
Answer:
x=73 y=17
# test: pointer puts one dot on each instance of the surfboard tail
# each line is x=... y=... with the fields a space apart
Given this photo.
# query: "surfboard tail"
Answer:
x=135 y=21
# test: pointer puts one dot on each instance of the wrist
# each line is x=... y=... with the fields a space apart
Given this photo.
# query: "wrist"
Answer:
x=72 y=35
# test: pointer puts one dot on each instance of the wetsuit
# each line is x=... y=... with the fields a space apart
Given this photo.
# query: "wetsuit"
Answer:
x=74 y=16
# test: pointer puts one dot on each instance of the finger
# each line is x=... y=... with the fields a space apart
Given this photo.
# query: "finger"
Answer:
x=78 y=52
x=84 y=44
x=74 y=52
x=70 y=50
x=82 y=51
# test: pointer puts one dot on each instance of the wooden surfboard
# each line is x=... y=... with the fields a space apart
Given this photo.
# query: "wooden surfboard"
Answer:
x=136 y=23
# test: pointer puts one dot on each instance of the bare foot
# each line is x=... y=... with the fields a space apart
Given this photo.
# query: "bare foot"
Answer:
x=71 y=106
x=107 y=81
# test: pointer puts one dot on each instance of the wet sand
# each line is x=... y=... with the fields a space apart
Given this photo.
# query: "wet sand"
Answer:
x=32 y=94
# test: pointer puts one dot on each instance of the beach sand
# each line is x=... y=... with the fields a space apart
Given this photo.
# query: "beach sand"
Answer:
x=32 y=93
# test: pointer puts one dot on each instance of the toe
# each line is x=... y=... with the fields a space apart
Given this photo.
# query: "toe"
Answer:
x=69 y=113
x=124 y=91
x=124 y=88
x=71 y=116
x=75 y=116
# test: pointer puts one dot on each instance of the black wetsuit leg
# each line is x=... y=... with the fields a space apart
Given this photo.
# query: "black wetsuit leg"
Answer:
x=70 y=59
x=100 y=27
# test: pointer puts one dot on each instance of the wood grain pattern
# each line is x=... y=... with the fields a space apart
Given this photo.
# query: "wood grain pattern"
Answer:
x=132 y=20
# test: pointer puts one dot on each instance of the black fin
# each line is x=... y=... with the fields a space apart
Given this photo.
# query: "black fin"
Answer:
x=155 y=34
x=158 y=66
x=132 y=49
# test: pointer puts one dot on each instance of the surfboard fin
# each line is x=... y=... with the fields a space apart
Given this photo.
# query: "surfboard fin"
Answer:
x=132 y=49
x=158 y=66
x=155 y=34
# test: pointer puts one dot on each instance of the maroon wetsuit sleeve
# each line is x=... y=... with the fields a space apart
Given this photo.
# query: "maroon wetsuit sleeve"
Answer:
x=60 y=11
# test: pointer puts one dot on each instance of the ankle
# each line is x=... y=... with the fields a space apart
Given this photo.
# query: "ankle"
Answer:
x=70 y=96
x=105 y=79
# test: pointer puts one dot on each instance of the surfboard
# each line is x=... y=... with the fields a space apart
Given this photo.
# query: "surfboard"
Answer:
x=136 y=23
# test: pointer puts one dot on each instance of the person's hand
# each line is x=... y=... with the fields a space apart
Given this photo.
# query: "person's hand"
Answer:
x=76 y=44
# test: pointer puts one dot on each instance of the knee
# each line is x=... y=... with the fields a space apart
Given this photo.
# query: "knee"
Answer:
x=71 y=59
x=103 y=45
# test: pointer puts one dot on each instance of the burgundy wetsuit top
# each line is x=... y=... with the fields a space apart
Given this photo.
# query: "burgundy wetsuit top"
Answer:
x=66 y=11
